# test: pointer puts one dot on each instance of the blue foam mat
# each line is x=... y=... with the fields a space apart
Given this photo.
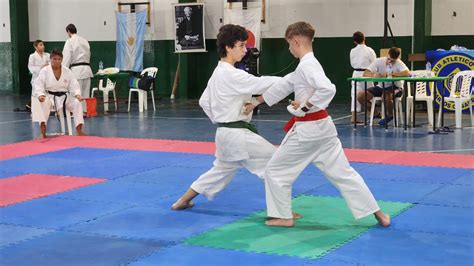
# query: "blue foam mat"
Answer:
x=171 y=175
x=117 y=191
x=410 y=173
x=452 y=195
x=10 y=234
x=203 y=160
x=467 y=179
x=211 y=256
x=85 y=154
x=387 y=190
x=118 y=165
x=36 y=165
x=154 y=223
x=394 y=247
x=437 y=219
x=64 y=248
x=55 y=213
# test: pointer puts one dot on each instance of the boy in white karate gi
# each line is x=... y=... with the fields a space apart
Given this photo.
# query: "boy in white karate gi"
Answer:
x=36 y=62
x=311 y=138
x=237 y=143
x=77 y=57
x=54 y=85
x=361 y=57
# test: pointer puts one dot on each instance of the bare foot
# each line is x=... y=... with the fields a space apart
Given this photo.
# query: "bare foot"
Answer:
x=382 y=218
x=297 y=216
x=181 y=205
x=280 y=222
x=79 y=131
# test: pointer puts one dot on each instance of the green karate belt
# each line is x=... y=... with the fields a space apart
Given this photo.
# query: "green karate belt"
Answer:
x=239 y=124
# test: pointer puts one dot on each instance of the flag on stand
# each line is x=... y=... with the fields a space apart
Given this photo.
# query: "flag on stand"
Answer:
x=130 y=40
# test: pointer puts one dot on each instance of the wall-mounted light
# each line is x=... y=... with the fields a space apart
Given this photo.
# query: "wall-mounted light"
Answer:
x=454 y=13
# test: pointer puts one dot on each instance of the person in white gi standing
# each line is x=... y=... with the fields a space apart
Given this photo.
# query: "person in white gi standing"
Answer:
x=237 y=143
x=77 y=56
x=361 y=57
x=311 y=138
x=36 y=62
x=54 y=85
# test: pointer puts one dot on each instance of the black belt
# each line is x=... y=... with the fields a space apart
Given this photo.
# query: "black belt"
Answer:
x=79 y=64
x=239 y=124
x=59 y=94
x=360 y=69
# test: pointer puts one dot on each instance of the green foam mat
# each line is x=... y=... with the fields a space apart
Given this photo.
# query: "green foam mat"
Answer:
x=326 y=225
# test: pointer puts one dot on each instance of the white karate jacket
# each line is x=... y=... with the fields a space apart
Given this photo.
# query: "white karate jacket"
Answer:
x=310 y=84
x=228 y=89
x=77 y=50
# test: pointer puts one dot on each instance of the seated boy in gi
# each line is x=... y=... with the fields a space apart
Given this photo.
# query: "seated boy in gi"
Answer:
x=311 y=138
x=56 y=85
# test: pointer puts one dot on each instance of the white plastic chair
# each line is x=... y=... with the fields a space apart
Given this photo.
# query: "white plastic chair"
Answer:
x=459 y=94
x=421 y=94
x=142 y=94
x=109 y=87
x=398 y=107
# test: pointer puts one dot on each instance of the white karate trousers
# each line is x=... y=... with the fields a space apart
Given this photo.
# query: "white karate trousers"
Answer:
x=292 y=157
x=85 y=85
x=40 y=110
x=221 y=174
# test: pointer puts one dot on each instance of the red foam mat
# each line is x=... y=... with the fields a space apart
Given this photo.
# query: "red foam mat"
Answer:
x=411 y=158
x=355 y=155
x=26 y=187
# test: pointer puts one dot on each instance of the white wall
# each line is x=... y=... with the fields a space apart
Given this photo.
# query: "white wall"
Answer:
x=332 y=18
x=337 y=18
x=444 y=23
x=5 y=21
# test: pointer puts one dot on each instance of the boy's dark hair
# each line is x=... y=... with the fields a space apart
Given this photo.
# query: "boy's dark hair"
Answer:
x=358 y=37
x=35 y=43
x=55 y=52
x=300 y=29
x=228 y=35
x=394 y=52
x=71 y=28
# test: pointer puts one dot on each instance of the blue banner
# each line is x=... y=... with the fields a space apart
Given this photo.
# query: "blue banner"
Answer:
x=448 y=64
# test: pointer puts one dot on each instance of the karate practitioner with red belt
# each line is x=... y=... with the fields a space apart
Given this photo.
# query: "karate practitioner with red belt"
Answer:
x=311 y=138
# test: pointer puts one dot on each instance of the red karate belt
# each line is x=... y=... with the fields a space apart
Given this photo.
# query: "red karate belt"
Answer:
x=308 y=117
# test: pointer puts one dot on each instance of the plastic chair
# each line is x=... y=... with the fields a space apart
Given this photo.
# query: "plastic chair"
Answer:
x=109 y=87
x=398 y=107
x=421 y=94
x=142 y=94
x=459 y=94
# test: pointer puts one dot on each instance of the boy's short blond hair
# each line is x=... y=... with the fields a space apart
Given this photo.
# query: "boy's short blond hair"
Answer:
x=300 y=29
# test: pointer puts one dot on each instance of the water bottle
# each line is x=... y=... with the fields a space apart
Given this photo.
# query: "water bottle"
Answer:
x=101 y=66
x=389 y=71
x=428 y=66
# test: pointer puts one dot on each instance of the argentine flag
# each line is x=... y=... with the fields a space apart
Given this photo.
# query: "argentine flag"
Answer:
x=130 y=40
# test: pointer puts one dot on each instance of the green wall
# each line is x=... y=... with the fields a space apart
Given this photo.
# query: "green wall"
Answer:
x=333 y=53
x=6 y=84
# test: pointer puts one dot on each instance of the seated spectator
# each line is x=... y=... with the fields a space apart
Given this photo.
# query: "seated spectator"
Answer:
x=56 y=85
x=390 y=66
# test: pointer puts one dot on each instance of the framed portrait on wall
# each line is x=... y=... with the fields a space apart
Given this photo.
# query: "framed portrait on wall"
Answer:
x=189 y=32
